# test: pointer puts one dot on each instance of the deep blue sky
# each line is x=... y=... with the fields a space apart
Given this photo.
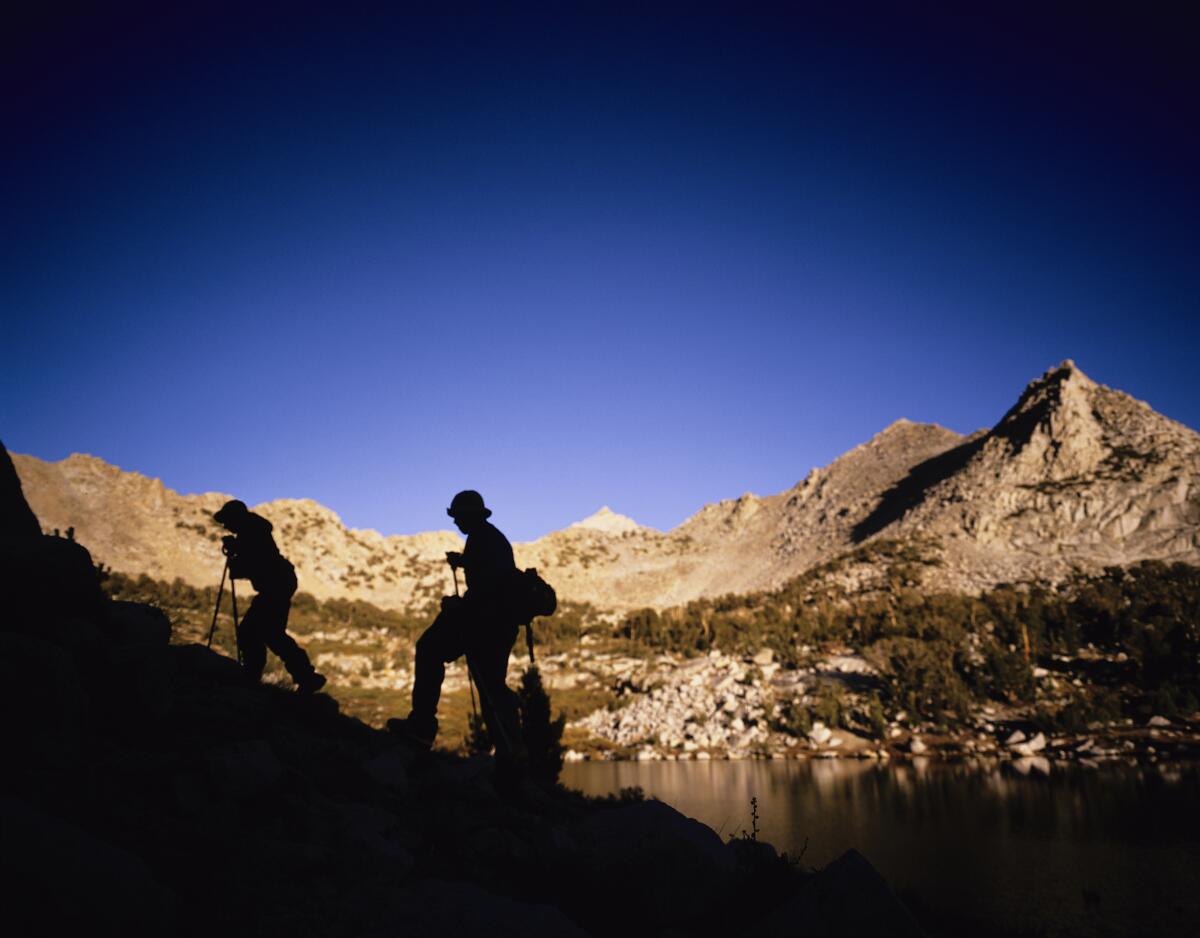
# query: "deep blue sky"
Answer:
x=570 y=259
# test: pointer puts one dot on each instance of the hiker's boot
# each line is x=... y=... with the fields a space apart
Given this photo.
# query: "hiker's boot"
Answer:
x=310 y=684
x=415 y=731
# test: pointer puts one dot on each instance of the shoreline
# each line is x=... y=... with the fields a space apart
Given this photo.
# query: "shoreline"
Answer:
x=1174 y=742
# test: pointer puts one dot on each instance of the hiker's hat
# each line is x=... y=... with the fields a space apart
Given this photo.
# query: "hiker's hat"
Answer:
x=468 y=503
x=234 y=508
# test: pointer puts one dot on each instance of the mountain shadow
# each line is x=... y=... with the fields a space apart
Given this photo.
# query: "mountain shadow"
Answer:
x=912 y=489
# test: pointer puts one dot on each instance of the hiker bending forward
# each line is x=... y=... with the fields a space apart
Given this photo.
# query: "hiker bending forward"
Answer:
x=254 y=556
x=478 y=624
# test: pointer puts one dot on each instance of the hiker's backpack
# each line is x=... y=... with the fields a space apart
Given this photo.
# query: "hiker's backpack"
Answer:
x=531 y=597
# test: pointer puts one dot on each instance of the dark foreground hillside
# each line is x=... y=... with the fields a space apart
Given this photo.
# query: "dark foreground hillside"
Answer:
x=151 y=791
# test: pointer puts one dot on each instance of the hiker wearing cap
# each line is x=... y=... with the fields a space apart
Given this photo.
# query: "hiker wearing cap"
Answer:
x=254 y=556
x=478 y=624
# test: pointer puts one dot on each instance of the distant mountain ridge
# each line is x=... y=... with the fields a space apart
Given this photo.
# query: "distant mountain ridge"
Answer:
x=1076 y=476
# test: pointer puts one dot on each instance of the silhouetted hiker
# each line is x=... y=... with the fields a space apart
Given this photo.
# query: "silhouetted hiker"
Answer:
x=478 y=624
x=253 y=556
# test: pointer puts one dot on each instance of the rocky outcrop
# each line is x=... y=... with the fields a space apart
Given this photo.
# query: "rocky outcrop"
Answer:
x=17 y=521
x=1076 y=476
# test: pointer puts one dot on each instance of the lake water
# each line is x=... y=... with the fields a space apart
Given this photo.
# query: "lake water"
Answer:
x=983 y=849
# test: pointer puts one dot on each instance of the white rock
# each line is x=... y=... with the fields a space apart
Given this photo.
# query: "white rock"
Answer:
x=1027 y=764
x=1158 y=721
x=819 y=733
x=766 y=656
x=916 y=747
x=1040 y=672
x=1015 y=738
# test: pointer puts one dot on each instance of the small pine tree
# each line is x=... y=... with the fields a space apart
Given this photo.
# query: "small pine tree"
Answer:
x=478 y=742
x=542 y=736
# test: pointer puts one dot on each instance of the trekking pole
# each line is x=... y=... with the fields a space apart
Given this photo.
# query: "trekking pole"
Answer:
x=470 y=678
x=233 y=597
x=220 y=590
x=486 y=698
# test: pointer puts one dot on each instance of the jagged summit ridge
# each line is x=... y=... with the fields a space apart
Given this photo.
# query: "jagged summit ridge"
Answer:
x=1074 y=476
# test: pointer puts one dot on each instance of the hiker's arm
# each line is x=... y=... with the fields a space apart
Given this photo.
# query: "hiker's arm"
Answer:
x=490 y=573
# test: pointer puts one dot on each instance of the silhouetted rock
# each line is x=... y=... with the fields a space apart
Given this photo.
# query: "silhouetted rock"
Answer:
x=670 y=867
x=46 y=579
x=848 y=897
x=43 y=710
x=388 y=770
x=44 y=576
x=18 y=523
x=136 y=678
x=434 y=908
x=243 y=769
x=61 y=880
x=136 y=624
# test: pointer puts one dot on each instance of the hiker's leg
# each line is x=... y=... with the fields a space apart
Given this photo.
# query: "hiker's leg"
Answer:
x=275 y=635
x=250 y=640
x=488 y=659
x=441 y=643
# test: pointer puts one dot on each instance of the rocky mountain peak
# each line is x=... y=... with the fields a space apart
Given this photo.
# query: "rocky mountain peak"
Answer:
x=1052 y=430
x=607 y=521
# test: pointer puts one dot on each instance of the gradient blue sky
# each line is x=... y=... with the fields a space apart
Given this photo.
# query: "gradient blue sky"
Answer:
x=569 y=259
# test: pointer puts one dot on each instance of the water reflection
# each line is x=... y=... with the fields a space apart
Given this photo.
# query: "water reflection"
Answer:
x=1002 y=847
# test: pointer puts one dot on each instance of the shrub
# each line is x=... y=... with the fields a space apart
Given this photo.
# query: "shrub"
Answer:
x=830 y=706
x=542 y=735
x=1101 y=705
x=924 y=676
x=793 y=718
